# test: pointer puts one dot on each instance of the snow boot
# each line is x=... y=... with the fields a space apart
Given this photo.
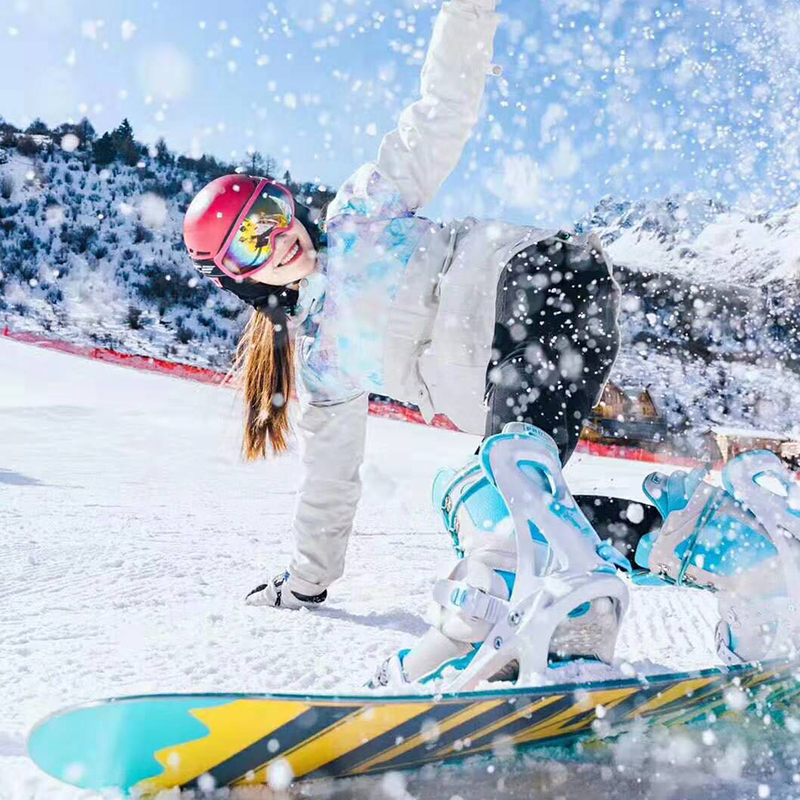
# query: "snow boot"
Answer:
x=286 y=591
x=741 y=541
x=534 y=585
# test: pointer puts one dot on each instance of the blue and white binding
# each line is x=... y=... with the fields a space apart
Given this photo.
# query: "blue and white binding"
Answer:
x=534 y=584
x=741 y=541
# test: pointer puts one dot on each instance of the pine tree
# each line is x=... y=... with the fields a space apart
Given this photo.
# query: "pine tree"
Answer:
x=128 y=149
x=38 y=126
x=123 y=133
x=105 y=149
x=254 y=163
x=26 y=146
x=8 y=131
x=163 y=155
x=86 y=133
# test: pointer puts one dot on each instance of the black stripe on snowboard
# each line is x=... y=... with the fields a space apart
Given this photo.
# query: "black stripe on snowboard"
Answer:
x=296 y=732
x=386 y=741
x=471 y=729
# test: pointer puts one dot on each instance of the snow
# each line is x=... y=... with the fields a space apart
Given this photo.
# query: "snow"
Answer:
x=133 y=531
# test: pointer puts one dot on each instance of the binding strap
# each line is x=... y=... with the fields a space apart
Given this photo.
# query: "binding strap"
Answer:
x=469 y=602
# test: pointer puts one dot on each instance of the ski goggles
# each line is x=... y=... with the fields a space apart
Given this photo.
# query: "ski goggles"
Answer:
x=250 y=244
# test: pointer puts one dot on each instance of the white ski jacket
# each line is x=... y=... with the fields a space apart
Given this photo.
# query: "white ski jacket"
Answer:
x=408 y=306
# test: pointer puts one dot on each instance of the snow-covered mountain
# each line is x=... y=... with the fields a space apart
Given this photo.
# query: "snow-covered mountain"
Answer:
x=709 y=308
x=94 y=254
x=699 y=239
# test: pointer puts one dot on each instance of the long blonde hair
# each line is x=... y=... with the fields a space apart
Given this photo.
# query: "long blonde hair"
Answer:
x=264 y=369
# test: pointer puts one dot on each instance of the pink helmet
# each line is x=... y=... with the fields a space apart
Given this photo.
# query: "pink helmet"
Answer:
x=231 y=225
x=213 y=212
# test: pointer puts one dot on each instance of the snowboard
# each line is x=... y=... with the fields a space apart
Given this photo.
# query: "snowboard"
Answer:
x=145 y=744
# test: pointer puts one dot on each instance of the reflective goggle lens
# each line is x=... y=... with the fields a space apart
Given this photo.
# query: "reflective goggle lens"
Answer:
x=253 y=244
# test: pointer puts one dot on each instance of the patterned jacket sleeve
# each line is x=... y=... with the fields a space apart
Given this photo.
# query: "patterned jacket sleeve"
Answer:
x=431 y=132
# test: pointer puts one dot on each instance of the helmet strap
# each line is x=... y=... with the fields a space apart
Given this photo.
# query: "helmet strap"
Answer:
x=262 y=296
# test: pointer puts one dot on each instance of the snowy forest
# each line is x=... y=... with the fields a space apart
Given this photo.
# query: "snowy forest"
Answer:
x=90 y=234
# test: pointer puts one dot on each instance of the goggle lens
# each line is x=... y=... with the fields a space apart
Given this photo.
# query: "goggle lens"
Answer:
x=254 y=242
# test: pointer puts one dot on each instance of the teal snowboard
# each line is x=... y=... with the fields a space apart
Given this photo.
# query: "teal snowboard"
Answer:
x=145 y=744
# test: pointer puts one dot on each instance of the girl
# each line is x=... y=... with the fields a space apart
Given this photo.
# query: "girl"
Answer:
x=484 y=321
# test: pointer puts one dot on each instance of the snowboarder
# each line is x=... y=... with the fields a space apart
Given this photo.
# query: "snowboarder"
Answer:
x=481 y=320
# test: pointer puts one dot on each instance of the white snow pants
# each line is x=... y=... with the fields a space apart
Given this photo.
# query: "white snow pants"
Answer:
x=331 y=451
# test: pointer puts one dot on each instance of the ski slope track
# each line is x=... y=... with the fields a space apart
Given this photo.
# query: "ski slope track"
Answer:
x=133 y=530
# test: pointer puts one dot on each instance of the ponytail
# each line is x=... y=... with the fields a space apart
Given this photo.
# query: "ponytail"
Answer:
x=264 y=362
x=264 y=366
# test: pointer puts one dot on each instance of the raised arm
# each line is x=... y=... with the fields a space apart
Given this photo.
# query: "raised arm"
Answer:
x=431 y=132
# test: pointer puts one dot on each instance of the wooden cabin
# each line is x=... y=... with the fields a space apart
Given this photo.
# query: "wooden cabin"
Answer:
x=725 y=443
x=623 y=417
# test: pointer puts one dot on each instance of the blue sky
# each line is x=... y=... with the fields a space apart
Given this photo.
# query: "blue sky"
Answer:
x=634 y=99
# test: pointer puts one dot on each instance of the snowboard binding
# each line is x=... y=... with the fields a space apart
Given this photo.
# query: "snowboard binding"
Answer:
x=741 y=541
x=534 y=584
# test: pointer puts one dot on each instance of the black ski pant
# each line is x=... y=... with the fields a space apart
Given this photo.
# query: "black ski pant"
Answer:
x=555 y=339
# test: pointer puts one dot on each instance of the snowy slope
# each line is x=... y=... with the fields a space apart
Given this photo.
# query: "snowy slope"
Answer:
x=132 y=532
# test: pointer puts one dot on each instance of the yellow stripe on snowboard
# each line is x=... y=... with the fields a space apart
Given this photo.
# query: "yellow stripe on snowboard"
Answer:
x=574 y=719
x=232 y=728
x=498 y=726
x=674 y=693
x=346 y=735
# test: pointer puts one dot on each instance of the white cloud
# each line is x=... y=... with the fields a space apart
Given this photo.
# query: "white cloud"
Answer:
x=565 y=161
x=90 y=28
x=554 y=114
x=516 y=181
